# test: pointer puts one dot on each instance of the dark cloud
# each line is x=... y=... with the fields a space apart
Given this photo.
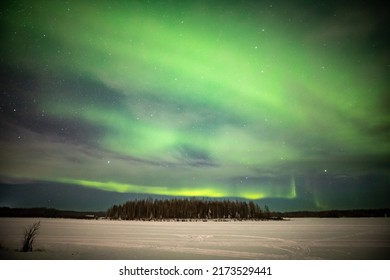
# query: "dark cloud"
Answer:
x=24 y=96
x=194 y=157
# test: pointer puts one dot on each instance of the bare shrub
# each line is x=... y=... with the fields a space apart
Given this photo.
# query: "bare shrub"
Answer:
x=29 y=236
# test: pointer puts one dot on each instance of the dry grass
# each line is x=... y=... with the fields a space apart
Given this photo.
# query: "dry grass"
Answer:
x=29 y=236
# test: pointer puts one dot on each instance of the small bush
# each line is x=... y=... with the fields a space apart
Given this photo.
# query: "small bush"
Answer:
x=29 y=236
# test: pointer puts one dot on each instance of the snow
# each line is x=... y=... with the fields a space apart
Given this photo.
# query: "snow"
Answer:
x=304 y=238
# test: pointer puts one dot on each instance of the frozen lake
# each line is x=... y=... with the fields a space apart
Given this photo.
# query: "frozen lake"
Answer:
x=304 y=238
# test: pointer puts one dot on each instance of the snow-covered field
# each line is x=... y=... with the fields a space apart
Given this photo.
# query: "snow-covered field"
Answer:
x=343 y=238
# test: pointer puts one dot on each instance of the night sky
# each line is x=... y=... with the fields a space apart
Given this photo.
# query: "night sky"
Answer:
x=271 y=101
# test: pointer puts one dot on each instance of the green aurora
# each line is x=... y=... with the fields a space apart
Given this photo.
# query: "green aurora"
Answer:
x=256 y=100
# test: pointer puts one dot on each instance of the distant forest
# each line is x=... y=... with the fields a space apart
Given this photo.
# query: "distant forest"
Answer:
x=188 y=209
x=49 y=213
x=354 y=213
x=149 y=209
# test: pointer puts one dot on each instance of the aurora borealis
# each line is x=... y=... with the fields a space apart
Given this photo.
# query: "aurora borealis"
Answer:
x=250 y=99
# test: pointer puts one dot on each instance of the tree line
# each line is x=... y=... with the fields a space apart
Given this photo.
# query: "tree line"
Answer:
x=49 y=213
x=353 y=213
x=149 y=209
